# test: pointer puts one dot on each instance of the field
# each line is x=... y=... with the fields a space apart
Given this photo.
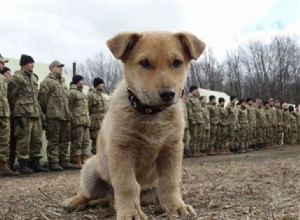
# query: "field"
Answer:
x=259 y=185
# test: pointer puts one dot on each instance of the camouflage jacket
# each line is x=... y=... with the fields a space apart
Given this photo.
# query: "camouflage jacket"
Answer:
x=297 y=115
x=273 y=116
x=79 y=109
x=268 y=117
x=97 y=107
x=53 y=98
x=286 y=118
x=194 y=109
x=4 y=105
x=260 y=118
x=251 y=116
x=205 y=114
x=232 y=116
x=214 y=113
x=243 y=116
x=293 y=121
x=279 y=114
x=23 y=95
x=223 y=116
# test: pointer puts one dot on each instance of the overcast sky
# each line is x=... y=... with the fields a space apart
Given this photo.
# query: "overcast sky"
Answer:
x=74 y=30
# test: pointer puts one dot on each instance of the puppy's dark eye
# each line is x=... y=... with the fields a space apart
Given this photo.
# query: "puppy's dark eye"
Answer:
x=145 y=64
x=176 y=63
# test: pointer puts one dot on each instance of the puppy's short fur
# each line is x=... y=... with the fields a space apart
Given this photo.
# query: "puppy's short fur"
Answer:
x=136 y=152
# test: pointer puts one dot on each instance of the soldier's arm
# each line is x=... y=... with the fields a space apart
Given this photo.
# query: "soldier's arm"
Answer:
x=189 y=110
x=13 y=87
x=90 y=100
x=43 y=96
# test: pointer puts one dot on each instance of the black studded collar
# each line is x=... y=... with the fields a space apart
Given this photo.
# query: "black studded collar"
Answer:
x=143 y=108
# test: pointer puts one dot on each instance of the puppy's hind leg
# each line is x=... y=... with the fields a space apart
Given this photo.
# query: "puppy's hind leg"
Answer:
x=91 y=187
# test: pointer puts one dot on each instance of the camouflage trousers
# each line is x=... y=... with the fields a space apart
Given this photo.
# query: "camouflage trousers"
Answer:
x=251 y=135
x=4 y=138
x=58 y=136
x=12 y=142
x=273 y=134
x=94 y=135
x=80 y=140
x=186 y=139
x=195 y=136
x=267 y=134
x=213 y=137
x=222 y=136
x=298 y=134
x=28 y=132
x=279 y=134
x=260 y=134
x=286 y=135
x=232 y=138
x=205 y=138
x=293 y=136
x=243 y=136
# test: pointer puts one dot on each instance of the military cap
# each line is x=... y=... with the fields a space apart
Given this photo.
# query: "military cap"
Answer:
x=232 y=97
x=25 y=59
x=98 y=81
x=3 y=60
x=76 y=79
x=4 y=70
x=55 y=63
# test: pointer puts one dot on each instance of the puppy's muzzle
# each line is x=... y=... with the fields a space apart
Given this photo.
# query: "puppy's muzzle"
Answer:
x=167 y=95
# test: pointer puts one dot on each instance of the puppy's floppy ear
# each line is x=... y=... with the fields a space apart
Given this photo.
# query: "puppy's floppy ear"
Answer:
x=121 y=44
x=193 y=46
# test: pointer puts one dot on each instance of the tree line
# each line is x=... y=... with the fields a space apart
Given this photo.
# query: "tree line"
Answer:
x=256 y=69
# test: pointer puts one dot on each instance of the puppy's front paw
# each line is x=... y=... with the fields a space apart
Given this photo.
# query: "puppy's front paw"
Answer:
x=77 y=203
x=186 y=211
x=132 y=214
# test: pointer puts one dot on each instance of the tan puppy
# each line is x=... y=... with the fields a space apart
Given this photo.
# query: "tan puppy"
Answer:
x=140 y=144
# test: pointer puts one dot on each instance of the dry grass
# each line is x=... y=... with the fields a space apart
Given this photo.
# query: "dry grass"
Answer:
x=259 y=185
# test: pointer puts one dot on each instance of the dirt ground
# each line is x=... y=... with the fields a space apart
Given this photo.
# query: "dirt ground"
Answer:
x=259 y=185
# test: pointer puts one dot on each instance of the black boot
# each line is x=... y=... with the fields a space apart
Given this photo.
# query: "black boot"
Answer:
x=23 y=168
x=53 y=166
x=67 y=166
x=36 y=166
x=186 y=153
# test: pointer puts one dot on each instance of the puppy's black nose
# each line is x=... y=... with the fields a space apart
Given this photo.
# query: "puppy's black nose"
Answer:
x=166 y=94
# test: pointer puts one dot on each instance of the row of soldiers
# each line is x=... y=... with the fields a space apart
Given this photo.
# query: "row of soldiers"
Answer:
x=66 y=114
x=240 y=126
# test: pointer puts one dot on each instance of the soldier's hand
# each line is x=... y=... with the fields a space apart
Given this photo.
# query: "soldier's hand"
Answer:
x=193 y=122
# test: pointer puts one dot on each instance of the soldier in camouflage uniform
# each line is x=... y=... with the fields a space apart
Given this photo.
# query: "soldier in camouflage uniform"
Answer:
x=243 y=126
x=293 y=120
x=97 y=109
x=4 y=124
x=80 y=122
x=273 y=122
x=279 y=128
x=206 y=126
x=251 y=123
x=286 y=124
x=53 y=99
x=268 y=124
x=260 y=124
x=233 y=122
x=186 y=136
x=194 y=117
x=297 y=115
x=23 y=100
x=223 y=129
x=214 y=120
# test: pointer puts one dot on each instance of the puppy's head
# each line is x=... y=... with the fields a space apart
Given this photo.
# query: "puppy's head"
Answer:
x=156 y=63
